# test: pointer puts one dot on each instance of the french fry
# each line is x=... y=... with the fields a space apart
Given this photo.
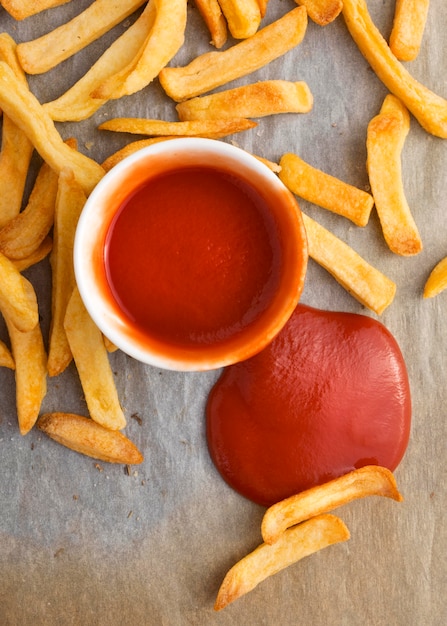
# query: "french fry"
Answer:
x=91 y=359
x=196 y=128
x=294 y=544
x=38 y=255
x=363 y=281
x=129 y=149
x=410 y=17
x=214 y=69
x=86 y=436
x=325 y=190
x=243 y=17
x=21 y=9
x=6 y=359
x=17 y=297
x=263 y=6
x=322 y=12
x=215 y=21
x=165 y=38
x=25 y=110
x=69 y=204
x=371 y=480
x=437 y=280
x=42 y=54
x=268 y=97
x=428 y=108
x=384 y=142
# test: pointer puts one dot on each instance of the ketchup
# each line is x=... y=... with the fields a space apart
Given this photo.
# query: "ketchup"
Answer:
x=330 y=394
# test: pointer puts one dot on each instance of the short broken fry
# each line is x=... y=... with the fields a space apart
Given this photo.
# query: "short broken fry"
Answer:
x=213 y=17
x=437 y=280
x=294 y=544
x=371 y=480
x=410 y=17
x=243 y=17
x=86 y=436
x=18 y=300
x=196 y=128
x=322 y=12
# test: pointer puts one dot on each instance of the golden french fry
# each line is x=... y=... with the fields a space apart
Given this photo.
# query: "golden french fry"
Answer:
x=24 y=109
x=371 y=480
x=437 y=280
x=263 y=6
x=325 y=190
x=363 y=281
x=268 y=97
x=165 y=38
x=91 y=359
x=428 y=108
x=6 y=359
x=384 y=142
x=69 y=204
x=21 y=9
x=243 y=17
x=322 y=12
x=214 y=69
x=410 y=17
x=40 y=253
x=8 y=54
x=214 y=19
x=42 y=54
x=294 y=544
x=196 y=128
x=86 y=436
x=129 y=149
x=17 y=297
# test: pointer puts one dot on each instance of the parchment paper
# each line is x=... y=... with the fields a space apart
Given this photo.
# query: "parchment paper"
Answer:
x=95 y=544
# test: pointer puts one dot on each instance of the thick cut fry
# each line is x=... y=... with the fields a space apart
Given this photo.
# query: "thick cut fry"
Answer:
x=38 y=255
x=90 y=356
x=197 y=128
x=69 y=204
x=243 y=17
x=84 y=435
x=410 y=17
x=6 y=359
x=428 y=108
x=322 y=12
x=325 y=190
x=363 y=281
x=371 y=480
x=26 y=111
x=213 y=69
x=384 y=142
x=42 y=54
x=21 y=9
x=294 y=544
x=165 y=38
x=214 y=19
x=268 y=97
x=17 y=298
x=437 y=280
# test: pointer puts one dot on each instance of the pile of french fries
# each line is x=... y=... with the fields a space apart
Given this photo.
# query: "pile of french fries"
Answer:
x=46 y=225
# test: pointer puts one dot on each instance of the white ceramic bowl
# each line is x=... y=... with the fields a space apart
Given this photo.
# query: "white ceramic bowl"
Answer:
x=106 y=201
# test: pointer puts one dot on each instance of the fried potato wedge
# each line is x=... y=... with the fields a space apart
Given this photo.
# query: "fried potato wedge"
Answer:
x=437 y=280
x=410 y=17
x=18 y=300
x=293 y=544
x=325 y=190
x=6 y=359
x=428 y=108
x=385 y=139
x=268 y=97
x=363 y=281
x=371 y=480
x=38 y=255
x=24 y=109
x=214 y=69
x=21 y=9
x=42 y=54
x=215 y=21
x=322 y=12
x=86 y=436
x=243 y=17
x=91 y=359
x=197 y=128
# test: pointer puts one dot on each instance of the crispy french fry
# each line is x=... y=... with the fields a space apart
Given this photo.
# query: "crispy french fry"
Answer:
x=90 y=356
x=437 y=280
x=322 y=12
x=69 y=204
x=214 y=69
x=263 y=6
x=38 y=255
x=294 y=544
x=214 y=19
x=363 y=281
x=42 y=54
x=371 y=480
x=384 y=142
x=86 y=436
x=428 y=108
x=17 y=297
x=325 y=190
x=197 y=128
x=129 y=149
x=268 y=97
x=21 y=9
x=410 y=17
x=6 y=359
x=25 y=110
x=243 y=17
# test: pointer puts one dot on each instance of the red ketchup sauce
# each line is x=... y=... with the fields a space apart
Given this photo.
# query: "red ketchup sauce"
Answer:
x=328 y=395
x=193 y=257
